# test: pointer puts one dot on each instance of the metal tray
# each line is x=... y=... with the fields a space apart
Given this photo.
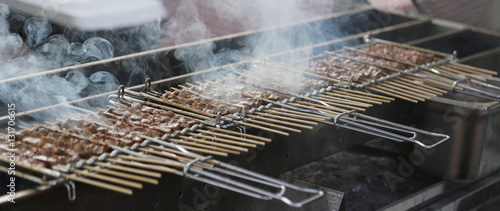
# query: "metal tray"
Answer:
x=473 y=150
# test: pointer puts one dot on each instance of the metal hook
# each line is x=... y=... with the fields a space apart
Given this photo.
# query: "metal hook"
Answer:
x=217 y=119
x=190 y=163
x=72 y=163
x=147 y=85
x=121 y=92
x=458 y=81
x=338 y=116
x=70 y=186
x=243 y=112
x=368 y=38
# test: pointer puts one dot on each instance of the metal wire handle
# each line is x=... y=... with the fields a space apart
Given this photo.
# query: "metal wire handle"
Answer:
x=219 y=175
x=371 y=125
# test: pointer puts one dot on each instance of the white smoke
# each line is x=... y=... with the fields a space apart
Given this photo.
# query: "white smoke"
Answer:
x=196 y=20
x=35 y=51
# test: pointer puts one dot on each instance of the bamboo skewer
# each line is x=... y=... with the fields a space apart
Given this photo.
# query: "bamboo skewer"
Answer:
x=437 y=90
x=290 y=114
x=109 y=179
x=286 y=118
x=239 y=134
x=434 y=82
x=434 y=75
x=127 y=169
x=330 y=112
x=165 y=154
x=343 y=105
x=280 y=122
x=418 y=91
x=262 y=128
x=367 y=94
x=194 y=144
x=403 y=92
x=142 y=165
x=207 y=151
x=273 y=125
x=413 y=86
x=459 y=73
x=341 y=101
x=177 y=152
x=298 y=114
x=356 y=97
x=451 y=72
x=170 y=155
x=474 y=68
x=467 y=70
x=183 y=87
x=122 y=175
x=223 y=140
x=248 y=142
x=152 y=161
x=98 y=184
x=391 y=94
x=323 y=106
x=216 y=144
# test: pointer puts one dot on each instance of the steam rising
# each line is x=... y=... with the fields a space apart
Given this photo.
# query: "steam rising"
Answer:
x=190 y=19
x=36 y=50
x=30 y=46
x=36 y=30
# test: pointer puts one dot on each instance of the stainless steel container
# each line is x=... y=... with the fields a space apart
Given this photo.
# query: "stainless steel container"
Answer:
x=474 y=148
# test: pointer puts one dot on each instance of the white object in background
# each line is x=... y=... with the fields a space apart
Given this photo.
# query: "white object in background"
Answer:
x=92 y=15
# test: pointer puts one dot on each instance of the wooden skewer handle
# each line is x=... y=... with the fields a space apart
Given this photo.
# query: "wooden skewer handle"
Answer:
x=98 y=184
x=122 y=175
x=262 y=128
x=109 y=179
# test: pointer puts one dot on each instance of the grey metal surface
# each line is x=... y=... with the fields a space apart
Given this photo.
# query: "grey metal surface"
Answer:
x=473 y=150
x=332 y=201
x=481 y=195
